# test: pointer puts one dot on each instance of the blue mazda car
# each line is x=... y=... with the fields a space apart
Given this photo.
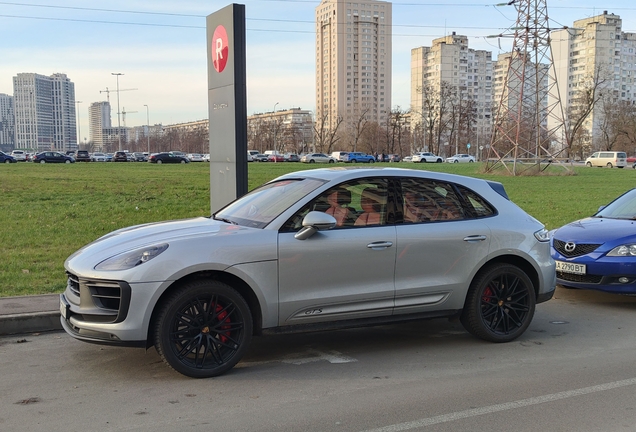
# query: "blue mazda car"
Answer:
x=599 y=252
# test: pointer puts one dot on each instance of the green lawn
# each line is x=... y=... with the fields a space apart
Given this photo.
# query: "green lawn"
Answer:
x=49 y=211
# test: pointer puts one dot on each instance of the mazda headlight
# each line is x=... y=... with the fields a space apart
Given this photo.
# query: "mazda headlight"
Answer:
x=128 y=260
x=623 y=251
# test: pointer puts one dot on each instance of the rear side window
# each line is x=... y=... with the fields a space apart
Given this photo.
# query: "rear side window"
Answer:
x=430 y=201
x=478 y=206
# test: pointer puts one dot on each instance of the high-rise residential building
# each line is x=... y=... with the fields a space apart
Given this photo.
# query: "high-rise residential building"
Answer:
x=7 y=123
x=64 y=115
x=592 y=49
x=44 y=108
x=98 y=120
x=449 y=66
x=353 y=61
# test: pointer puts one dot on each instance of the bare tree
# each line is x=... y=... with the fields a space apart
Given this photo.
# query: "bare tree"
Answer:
x=360 y=125
x=587 y=94
x=326 y=137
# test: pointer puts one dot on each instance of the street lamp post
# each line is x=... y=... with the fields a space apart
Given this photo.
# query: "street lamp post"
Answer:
x=118 y=121
x=148 y=127
x=79 y=133
x=274 y=119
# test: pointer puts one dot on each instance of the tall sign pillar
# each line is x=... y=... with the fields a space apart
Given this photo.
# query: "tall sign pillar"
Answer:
x=227 y=105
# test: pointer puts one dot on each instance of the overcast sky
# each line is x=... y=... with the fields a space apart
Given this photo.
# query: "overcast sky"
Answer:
x=160 y=47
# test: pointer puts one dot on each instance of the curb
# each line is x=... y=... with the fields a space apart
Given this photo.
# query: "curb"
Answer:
x=29 y=323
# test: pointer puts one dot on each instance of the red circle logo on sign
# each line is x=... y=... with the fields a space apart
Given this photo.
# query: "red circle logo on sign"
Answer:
x=220 y=48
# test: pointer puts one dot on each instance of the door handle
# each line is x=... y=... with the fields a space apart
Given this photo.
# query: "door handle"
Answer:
x=379 y=245
x=475 y=238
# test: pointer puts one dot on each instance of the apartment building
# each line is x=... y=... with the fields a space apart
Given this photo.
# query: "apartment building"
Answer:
x=592 y=49
x=450 y=65
x=290 y=131
x=44 y=108
x=98 y=120
x=353 y=61
x=7 y=123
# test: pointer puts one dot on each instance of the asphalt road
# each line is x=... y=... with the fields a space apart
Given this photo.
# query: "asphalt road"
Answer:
x=573 y=370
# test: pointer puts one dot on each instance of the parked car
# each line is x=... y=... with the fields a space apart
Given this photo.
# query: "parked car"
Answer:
x=120 y=156
x=355 y=157
x=195 y=157
x=198 y=289
x=82 y=156
x=206 y=157
x=607 y=159
x=19 y=155
x=317 y=158
x=168 y=157
x=423 y=157
x=109 y=157
x=260 y=158
x=53 y=157
x=599 y=252
x=460 y=158
x=98 y=157
x=292 y=157
x=407 y=159
x=140 y=157
x=5 y=158
x=276 y=158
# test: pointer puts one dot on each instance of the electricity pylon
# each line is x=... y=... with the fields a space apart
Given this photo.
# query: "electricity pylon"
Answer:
x=521 y=139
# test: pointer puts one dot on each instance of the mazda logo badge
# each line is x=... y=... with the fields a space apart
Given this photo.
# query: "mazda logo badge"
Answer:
x=569 y=247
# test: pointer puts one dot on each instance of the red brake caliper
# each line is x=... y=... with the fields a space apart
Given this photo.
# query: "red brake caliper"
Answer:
x=222 y=315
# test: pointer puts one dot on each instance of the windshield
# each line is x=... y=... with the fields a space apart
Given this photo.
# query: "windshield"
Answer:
x=261 y=206
x=624 y=207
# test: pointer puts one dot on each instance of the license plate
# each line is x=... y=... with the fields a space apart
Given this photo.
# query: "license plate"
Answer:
x=567 y=267
x=64 y=308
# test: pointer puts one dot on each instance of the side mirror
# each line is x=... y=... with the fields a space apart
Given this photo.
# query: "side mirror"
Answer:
x=313 y=222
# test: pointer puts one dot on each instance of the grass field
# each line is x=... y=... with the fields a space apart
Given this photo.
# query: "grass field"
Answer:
x=49 y=211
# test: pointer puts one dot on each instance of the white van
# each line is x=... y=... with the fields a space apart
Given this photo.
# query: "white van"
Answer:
x=607 y=159
x=338 y=155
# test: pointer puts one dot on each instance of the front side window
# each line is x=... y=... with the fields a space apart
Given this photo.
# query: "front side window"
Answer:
x=357 y=203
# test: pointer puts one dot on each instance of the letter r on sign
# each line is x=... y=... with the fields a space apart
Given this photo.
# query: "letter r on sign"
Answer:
x=219 y=49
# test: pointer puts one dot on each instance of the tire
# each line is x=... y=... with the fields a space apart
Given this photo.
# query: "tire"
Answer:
x=67 y=161
x=589 y=164
x=7 y=161
x=353 y=161
x=471 y=161
x=203 y=329
x=331 y=161
x=455 y=161
x=312 y=161
x=42 y=161
x=500 y=303
x=182 y=161
x=439 y=161
x=371 y=161
x=609 y=165
x=423 y=161
x=159 y=161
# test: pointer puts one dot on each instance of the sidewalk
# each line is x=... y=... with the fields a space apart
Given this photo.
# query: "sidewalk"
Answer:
x=28 y=314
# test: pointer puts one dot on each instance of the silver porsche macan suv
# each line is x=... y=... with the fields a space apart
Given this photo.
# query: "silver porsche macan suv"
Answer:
x=315 y=249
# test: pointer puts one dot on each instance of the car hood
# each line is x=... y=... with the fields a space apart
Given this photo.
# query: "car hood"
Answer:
x=134 y=237
x=597 y=230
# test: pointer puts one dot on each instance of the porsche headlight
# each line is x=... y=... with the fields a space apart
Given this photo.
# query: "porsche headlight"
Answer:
x=543 y=235
x=128 y=260
x=623 y=251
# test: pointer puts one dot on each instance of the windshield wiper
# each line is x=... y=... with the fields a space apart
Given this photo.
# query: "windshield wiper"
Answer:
x=225 y=220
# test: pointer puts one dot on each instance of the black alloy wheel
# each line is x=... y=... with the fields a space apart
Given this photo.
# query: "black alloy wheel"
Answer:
x=203 y=329
x=500 y=303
